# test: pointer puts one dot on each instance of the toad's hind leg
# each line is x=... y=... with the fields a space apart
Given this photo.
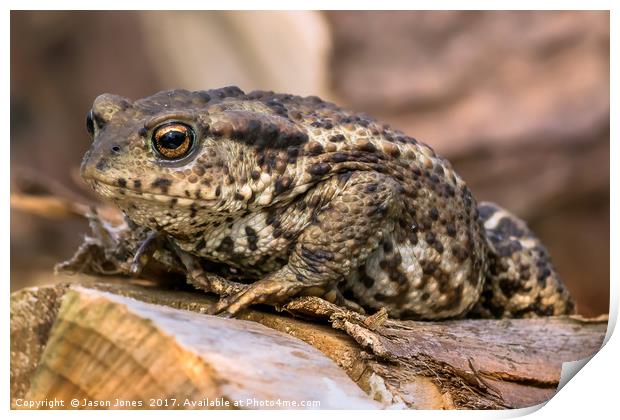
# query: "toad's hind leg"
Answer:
x=341 y=236
x=521 y=282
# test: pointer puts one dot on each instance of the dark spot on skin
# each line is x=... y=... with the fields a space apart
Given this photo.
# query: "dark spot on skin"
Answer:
x=439 y=170
x=371 y=187
x=337 y=138
x=252 y=238
x=271 y=218
x=428 y=268
x=218 y=191
x=504 y=246
x=365 y=278
x=454 y=295
x=162 y=183
x=292 y=152
x=509 y=287
x=315 y=256
x=434 y=214
x=542 y=275
x=344 y=176
x=193 y=210
x=255 y=175
x=319 y=169
x=315 y=148
x=200 y=245
x=137 y=184
x=388 y=299
x=460 y=253
x=339 y=157
x=392 y=266
x=274 y=132
x=203 y=96
x=451 y=230
x=485 y=211
x=365 y=146
x=391 y=149
x=508 y=227
x=122 y=182
x=173 y=203
x=226 y=246
x=199 y=170
x=525 y=274
x=282 y=184
x=379 y=209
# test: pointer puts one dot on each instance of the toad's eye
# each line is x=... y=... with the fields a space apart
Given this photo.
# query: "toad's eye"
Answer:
x=173 y=140
x=90 y=125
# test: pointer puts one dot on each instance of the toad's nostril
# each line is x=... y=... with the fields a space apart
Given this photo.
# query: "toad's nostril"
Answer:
x=115 y=149
x=102 y=164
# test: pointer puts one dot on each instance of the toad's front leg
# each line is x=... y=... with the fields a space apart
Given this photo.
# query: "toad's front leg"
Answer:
x=339 y=239
x=205 y=281
x=195 y=275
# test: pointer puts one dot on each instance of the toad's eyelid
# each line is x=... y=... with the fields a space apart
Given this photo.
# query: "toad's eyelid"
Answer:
x=180 y=116
x=166 y=128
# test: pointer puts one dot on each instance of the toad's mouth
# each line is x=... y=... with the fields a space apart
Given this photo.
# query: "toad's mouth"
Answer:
x=116 y=192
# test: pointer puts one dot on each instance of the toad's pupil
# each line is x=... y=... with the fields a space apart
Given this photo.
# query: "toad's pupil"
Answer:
x=172 y=139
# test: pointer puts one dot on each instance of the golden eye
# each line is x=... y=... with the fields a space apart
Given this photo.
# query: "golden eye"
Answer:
x=173 y=140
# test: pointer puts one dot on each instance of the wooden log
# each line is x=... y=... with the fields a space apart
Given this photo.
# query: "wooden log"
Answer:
x=139 y=351
x=479 y=363
x=33 y=311
x=106 y=350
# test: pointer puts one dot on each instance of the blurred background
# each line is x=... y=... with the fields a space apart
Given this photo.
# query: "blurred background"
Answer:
x=518 y=101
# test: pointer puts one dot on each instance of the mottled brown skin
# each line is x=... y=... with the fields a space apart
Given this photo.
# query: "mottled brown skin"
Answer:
x=297 y=196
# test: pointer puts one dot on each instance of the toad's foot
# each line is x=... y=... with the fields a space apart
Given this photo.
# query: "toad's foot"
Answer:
x=154 y=240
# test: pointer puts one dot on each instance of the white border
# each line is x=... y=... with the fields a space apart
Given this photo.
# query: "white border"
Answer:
x=591 y=393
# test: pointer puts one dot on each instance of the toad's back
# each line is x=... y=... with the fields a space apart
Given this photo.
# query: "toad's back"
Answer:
x=308 y=198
